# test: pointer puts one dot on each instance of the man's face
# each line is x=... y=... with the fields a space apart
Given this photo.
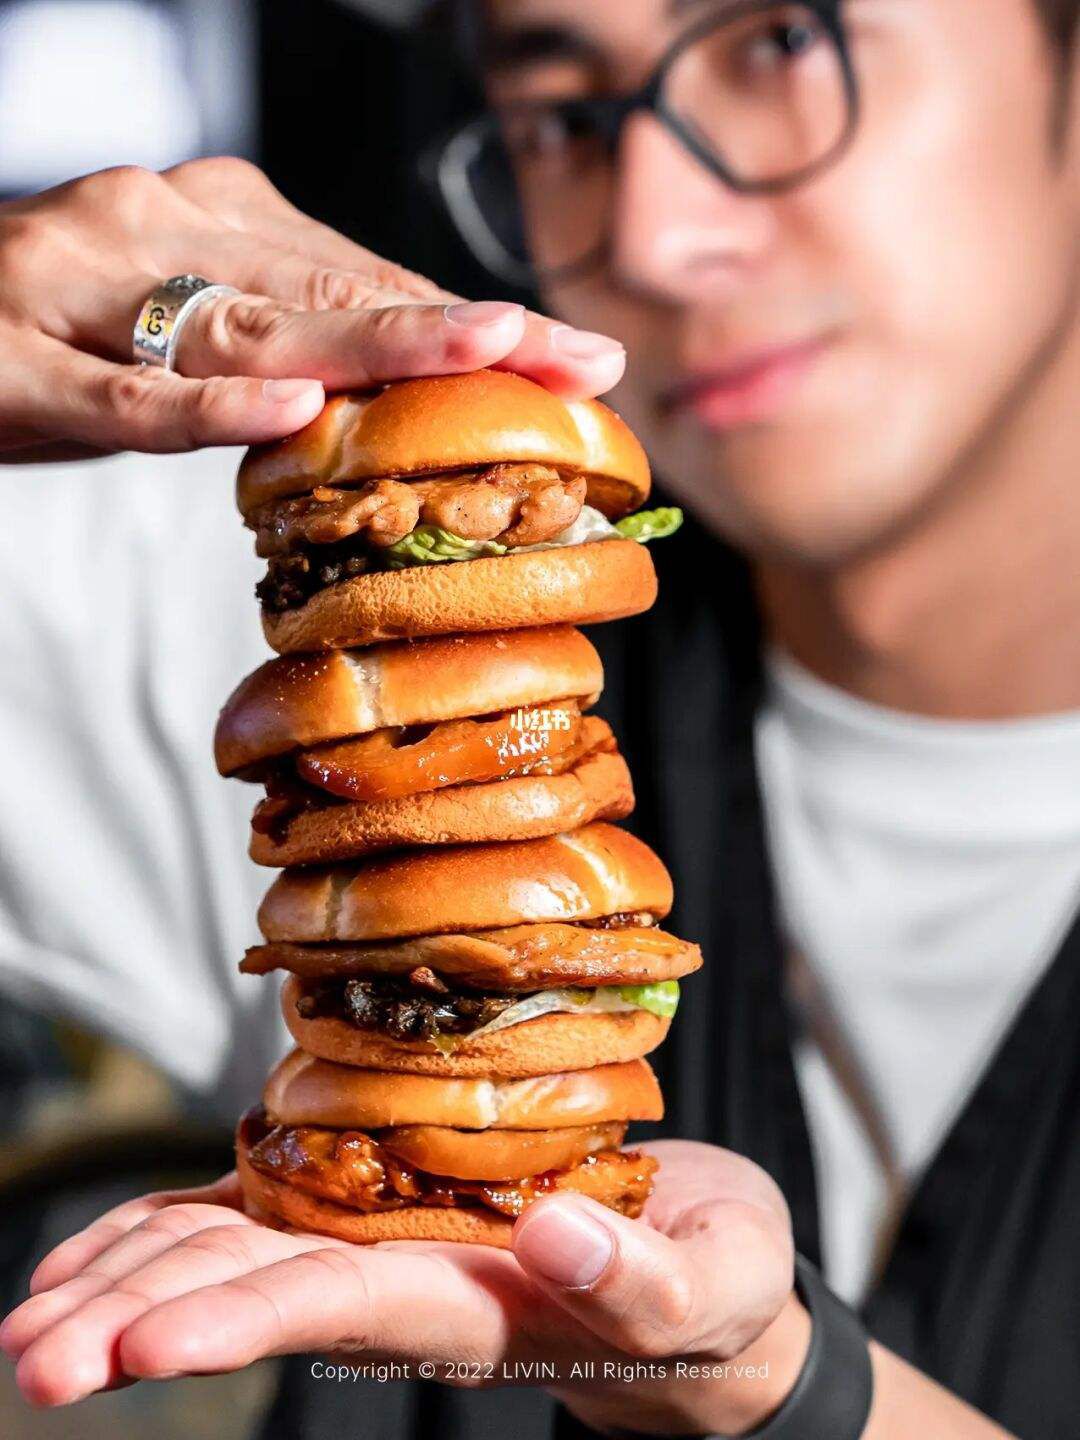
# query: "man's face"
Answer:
x=811 y=369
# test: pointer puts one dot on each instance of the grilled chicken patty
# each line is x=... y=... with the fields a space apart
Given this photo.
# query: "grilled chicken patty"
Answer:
x=351 y=1168
x=334 y=534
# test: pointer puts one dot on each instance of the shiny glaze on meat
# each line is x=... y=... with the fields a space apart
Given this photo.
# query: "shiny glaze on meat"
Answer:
x=521 y=504
x=406 y=760
x=459 y=752
x=515 y=957
x=353 y=1169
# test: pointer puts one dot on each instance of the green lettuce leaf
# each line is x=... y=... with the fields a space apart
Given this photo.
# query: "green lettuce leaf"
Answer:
x=649 y=525
x=431 y=545
x=662 y=998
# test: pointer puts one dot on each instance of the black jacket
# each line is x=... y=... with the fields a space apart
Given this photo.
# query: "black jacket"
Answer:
x=983 y=1288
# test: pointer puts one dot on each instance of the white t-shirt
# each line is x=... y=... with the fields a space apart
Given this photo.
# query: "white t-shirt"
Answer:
x=926 y=872
x=126 y=894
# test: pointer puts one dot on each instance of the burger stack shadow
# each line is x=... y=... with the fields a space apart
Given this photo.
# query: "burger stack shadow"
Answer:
x=473 y=955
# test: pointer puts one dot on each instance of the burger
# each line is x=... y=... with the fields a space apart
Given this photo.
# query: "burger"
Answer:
x=471 y=1023
x=429 y=742
x=365 y=516
x=514 y=959
x=366 y=1155
x=473 y=956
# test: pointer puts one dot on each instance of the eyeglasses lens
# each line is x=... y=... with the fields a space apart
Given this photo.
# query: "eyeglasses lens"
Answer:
x=761 y=95
x=766 y=94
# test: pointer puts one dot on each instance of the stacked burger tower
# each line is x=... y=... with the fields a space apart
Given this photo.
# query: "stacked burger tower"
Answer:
x=474 y=962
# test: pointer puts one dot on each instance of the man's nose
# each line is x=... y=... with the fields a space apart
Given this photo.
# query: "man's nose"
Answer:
x=677 y=230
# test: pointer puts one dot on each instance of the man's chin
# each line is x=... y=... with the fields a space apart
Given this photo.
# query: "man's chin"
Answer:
x=802 y=520
x=799 y=495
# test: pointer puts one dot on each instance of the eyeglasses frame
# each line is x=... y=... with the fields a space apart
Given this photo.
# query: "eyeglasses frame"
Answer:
x=446 y=165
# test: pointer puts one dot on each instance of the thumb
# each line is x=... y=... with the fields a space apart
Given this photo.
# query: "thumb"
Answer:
x=715 y=1283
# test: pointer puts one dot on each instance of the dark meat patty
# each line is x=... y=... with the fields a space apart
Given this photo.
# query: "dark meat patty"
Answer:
x=419 y=1006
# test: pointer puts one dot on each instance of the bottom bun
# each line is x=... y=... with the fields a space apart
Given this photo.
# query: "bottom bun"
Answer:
x=279 y=1205
x=544 y=1046
x=526 y=807
x=569 y=584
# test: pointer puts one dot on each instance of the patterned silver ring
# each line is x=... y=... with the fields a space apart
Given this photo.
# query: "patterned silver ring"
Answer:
x=165 y=312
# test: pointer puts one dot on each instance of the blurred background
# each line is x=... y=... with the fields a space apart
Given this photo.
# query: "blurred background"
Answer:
x=310 y=89
x=334 y=99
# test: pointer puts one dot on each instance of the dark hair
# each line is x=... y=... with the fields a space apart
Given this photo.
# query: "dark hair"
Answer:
x=1060 y=18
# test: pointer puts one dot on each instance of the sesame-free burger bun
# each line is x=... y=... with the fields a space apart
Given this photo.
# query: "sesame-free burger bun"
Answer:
x=303 y=1090
x=547 y=1045
x=296 y=702
x=566 y=585
x=597 y=787
x=596 y=871
x=450 y=422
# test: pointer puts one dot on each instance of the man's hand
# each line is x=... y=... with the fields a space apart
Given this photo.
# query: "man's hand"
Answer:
x=77 y=262
x=187 y=1284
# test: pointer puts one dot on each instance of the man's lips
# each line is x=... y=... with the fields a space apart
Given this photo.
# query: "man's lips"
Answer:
x=750 y=389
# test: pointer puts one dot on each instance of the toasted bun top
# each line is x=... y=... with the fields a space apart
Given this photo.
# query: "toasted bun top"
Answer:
x=305 y=1091
x=451 y=422
x=597 y=870
x=298 y=701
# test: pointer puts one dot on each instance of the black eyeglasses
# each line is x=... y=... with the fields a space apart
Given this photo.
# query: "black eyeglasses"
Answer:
x=762 y=93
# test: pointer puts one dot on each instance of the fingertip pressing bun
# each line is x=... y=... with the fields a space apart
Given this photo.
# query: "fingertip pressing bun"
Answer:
x=597 y=787
x=595 y=871
x=567 y=585
x=286 y=1208
x=296 y=702
x=547 y=1045
x=451 y=422
x=305 y=1090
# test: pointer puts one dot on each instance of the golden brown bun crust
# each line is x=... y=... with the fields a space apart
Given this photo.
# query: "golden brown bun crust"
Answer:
x=547 y=1045
x=451 y=422
x=304 y=1090
x=570 y=585
x=595 y=871
x=597 y=788
x=281 y=1206
x=295 y=702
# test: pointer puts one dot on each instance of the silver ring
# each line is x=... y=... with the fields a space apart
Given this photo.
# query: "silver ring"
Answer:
x=165 y=312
